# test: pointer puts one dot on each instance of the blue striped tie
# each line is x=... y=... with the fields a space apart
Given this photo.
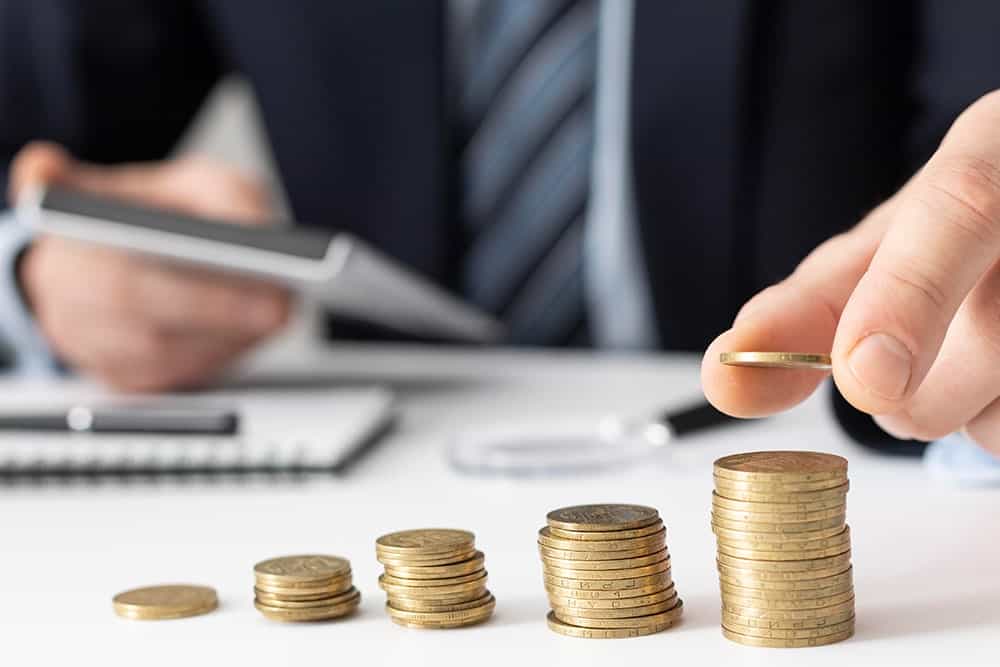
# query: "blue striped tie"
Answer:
x=528 y=101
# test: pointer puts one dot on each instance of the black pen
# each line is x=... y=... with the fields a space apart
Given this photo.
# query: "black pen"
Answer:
x=148 y=419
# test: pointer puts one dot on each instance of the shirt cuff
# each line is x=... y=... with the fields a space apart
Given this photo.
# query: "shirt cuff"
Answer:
x=18 y=328
x=958 y=460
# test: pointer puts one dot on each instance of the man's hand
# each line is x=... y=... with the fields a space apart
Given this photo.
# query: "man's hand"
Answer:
x=136 y=323
x=908 y=302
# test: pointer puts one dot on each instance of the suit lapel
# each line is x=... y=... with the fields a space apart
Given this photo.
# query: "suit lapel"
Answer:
x=690 y=70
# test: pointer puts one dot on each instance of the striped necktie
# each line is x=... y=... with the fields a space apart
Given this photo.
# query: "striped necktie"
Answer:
x=527 y=104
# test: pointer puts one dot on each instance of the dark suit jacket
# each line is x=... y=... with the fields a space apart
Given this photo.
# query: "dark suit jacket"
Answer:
x=758 y=128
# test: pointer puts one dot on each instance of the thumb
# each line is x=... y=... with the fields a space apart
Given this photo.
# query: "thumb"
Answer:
x=943 y=239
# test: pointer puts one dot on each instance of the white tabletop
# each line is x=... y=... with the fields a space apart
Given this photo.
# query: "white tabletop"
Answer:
x=926 y=556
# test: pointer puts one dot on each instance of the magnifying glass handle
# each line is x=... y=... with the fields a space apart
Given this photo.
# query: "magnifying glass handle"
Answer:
x=699 y=417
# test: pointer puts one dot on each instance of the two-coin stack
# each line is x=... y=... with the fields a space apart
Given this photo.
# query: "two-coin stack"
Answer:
x=305 y=588
x=784 y=549
x=607 y=572
x=434 y=578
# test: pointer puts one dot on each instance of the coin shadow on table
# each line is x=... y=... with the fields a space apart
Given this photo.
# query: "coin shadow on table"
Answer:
x=934 y=614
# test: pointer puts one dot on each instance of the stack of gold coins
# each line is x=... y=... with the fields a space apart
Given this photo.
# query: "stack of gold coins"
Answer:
x=305 y=588
x=434 y=578
x=607 y=572
x=784 y=549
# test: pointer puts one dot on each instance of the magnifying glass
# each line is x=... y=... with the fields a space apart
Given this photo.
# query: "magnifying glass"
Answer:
x=549 y=449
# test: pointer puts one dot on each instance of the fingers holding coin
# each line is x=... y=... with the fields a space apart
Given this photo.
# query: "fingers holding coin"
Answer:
x=906 y=304
x=799 y=314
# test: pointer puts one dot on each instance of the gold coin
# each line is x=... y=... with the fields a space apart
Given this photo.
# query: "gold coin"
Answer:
x=738 y=605
x=155 y=603
x=311 y=614
x=838 y=493
x=605 y=614
x=424 y=560
x=806 y=565
x=797 y=528
x=771 y=577
x=790 y=360
x=787 y=643
x=444 y=617
x=790 y=633
x=303 y=593
x=736 y=622
x=437 y=626
x=431 y=591
x=758 y=615
x=751 y=581
x=662 y=595
x=777 y=542
x=782 y=519
x=562 y=628
x=406 y=604
x=433 y=583
x=605 y=517
x=648 y=542
x=607 y=575
x=795 y=633
x=608 y=584
x=776 y=595
x=596 y=556
x=659 y=584
x=622 y=564
x=664 y=617
x=606 y=535
x=438 y=571
x=773 y=542
x=425 y=541
x=457 y=592
x=420 y=602
x=724 y=486
x=266 y=595
x=278 y=601
x=779 y=556
x=775 y=507
x=775 y=466
x=307 y=570
x=724 y=549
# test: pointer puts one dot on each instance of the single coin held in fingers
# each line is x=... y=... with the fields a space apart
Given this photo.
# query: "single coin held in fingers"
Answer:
x=792 y=360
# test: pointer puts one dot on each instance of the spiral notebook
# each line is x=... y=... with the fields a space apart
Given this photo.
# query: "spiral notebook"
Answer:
x=300 y=430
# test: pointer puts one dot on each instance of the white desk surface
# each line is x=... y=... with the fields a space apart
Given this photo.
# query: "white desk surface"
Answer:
x=926 y=556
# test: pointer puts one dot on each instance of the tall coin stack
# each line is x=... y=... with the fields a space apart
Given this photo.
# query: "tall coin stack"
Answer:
x=305 y=588
x=784 y=550
x=607 y=572
x=434 y=578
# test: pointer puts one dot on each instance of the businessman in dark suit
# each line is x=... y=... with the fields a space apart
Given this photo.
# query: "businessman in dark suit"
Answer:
x=625 y=174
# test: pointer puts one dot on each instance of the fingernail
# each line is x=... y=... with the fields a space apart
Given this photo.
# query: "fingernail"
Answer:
x=889 y=425
x=882 y=364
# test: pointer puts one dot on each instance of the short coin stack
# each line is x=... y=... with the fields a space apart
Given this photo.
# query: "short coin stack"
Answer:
x=157 y=603
x=607 y=572
x=784 y=550
x=305 y=588
x=434 y=578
